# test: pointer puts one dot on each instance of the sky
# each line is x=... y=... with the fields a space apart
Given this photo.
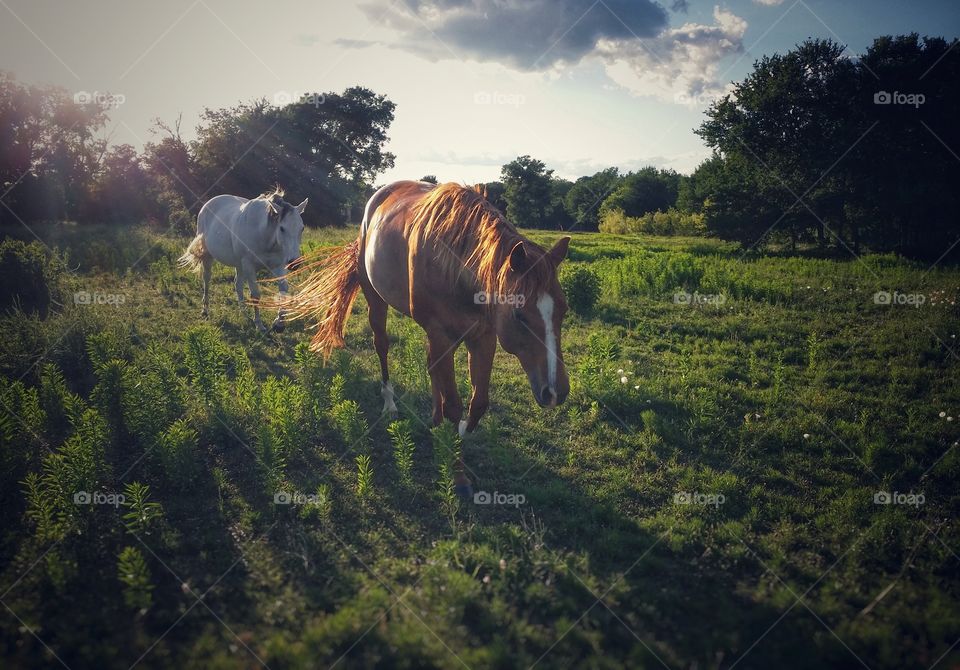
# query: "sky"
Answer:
x=579 y=84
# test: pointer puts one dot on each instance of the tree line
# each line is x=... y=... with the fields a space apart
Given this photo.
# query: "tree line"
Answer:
x=55 y=166
x=812 y=147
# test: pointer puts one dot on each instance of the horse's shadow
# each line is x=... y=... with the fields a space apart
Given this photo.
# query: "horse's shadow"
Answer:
x=640 y=581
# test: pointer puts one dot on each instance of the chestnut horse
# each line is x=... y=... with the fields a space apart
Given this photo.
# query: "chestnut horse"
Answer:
x=446 y=257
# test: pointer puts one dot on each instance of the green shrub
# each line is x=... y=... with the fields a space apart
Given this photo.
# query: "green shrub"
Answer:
x=179 y=453
x=671 y=222
x=350 y=423
x=108 y=344
x=315 y=382
x=143 y=514
x=364 y=477
x=446 y=449
x=30 y=275
x=206 y=357
x=403 y=447
x=158 y=399
x=133 y=572
x=114 y=389
x=281 y=429
x=57 y=402
x=581 y=286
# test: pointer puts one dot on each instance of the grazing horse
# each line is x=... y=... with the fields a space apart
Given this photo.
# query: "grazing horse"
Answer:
x=446 y=257
x=249 y=235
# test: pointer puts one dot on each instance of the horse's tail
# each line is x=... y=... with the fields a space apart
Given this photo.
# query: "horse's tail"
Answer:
x=332 y=282
x=195 y=254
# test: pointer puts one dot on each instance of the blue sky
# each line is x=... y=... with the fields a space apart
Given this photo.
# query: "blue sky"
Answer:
x=580 y=84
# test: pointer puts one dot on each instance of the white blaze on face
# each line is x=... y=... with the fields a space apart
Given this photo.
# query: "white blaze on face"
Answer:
x=545 y=305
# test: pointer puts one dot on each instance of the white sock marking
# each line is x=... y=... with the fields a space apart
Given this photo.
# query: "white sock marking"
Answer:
x=386 y=392
x=462 y=428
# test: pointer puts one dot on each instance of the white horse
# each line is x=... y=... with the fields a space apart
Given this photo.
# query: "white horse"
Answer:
x=249 y=235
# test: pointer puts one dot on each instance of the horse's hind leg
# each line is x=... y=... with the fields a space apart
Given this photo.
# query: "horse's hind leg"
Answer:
x=207 y=271
x=377 y=315
x=238 y=285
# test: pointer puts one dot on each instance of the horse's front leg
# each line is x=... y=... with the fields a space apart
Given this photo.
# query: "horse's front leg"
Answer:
x=250 y=274
x=446 y=399
x=284 y=287
x=481 y=352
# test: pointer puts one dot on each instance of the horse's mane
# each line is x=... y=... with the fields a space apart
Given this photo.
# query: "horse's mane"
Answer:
x=276 y=198
x=469 y=233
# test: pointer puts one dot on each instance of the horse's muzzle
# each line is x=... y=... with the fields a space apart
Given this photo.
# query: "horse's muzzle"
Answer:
x=548 y=397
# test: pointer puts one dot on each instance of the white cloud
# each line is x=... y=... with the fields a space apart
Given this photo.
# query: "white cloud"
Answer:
x=769 y=3
x=679 y=65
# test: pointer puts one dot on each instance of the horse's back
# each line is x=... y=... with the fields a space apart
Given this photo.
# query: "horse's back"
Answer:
x=221 y=207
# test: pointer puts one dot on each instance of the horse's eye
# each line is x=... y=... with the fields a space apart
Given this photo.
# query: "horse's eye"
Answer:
x=282 y=229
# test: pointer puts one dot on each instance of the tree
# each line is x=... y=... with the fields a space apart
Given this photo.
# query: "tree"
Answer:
x=528 y=190
x=53 y=164
x=793 y=117
x=429 y=178
x=118 y=194
x=817 y=125
x=903 y=193
x=646 y=190
x=327 y=146
x=584 y=198
x=49 y=151
x=495 y=191
x=557 y=214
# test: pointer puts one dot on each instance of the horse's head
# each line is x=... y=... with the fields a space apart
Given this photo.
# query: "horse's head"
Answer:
x=528 y=324
x=287 y=226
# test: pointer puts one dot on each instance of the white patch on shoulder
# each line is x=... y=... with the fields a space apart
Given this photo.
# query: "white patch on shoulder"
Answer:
x=545 y=305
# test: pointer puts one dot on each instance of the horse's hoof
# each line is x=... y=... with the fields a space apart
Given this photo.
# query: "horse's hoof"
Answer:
x=464 y=491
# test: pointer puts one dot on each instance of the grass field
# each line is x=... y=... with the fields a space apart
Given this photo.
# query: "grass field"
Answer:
x=709 y=496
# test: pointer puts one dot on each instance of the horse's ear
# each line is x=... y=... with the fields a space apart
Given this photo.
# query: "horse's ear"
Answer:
x=302 y=206
x=518 y=258
x=559 y=251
